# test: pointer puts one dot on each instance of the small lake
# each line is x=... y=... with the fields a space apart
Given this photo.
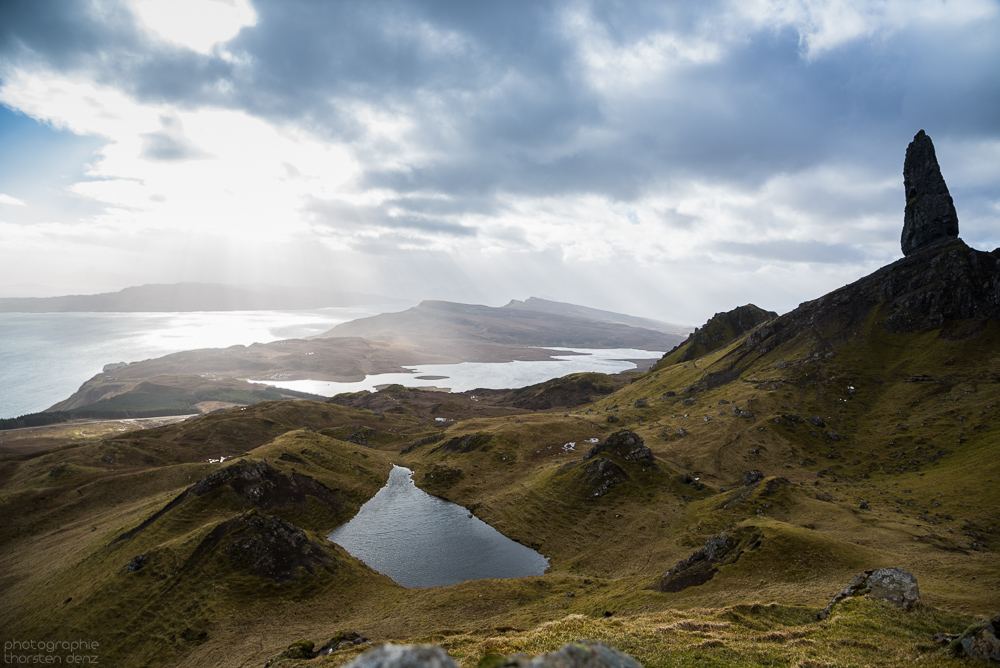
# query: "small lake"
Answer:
x=419 y=540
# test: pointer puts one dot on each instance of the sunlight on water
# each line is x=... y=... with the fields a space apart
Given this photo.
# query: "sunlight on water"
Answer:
x=487 y=375
x=45 y=357
x=419 y=540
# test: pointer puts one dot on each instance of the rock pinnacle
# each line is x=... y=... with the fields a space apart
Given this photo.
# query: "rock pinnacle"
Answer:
x=930 y=214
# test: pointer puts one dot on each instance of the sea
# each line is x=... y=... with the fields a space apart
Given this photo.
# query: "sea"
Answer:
x=46 y=357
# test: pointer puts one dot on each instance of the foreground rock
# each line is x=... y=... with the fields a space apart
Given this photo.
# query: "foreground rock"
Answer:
x=930 y=214
x=897 y=586
x=581 y=654
x=404 y=656
x=980 y=641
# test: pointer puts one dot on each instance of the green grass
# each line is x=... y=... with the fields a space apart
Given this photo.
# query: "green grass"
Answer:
x=914 y=442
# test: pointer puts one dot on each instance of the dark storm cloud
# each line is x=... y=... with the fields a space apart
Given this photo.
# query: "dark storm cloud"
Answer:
x=63 y=32
x=104 y=40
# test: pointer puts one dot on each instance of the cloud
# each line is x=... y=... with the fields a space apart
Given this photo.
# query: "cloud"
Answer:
x=196 y=24
x=524 y=140
x=170 y=168
x=827 y=25
x=792 y=251
x=13 y=201
x=170 y=143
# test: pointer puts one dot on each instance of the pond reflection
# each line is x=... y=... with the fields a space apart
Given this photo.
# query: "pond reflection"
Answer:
x=419 y=540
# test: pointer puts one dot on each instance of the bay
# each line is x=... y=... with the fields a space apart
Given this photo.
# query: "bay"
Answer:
x=466 y=376
x=45 y=357
x=420 y=540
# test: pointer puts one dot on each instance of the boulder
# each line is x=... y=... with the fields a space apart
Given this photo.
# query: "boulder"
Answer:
x=930 y=214
x=404 y=656
x=897 y=586
x=980 y=641
x=580 y=654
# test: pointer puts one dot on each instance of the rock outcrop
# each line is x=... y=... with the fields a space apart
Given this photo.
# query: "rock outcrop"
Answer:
x=580 y=654
x=981 y=641
x=897 y=586
x=701 y=566
x=404 y=656
x=930 y=215
x=257 y=483
x=606 y=463
x=264 y=545
x=718 y=332
x=952 y=287
x=603 y=474
x=306 y=649
x=626 y=444
x=946 y=285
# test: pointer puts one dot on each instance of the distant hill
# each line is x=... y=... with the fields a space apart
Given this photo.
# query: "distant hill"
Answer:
x=453 y=327
x=562 y=308
x=433 y=332
x=720 y=331
x=194 y=297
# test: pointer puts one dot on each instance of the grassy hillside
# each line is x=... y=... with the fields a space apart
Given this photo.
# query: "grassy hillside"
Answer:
x=849 y=434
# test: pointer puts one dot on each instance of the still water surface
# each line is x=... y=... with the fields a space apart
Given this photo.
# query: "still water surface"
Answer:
x=45 y=357
x=466 y=376
x=419 y=540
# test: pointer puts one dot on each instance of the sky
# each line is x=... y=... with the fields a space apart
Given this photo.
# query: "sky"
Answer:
x=664 y=159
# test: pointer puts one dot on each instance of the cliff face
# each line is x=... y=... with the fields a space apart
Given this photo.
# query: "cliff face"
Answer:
x=945 y=286
x=930 y=215
x=940 y=283
x=721 y=330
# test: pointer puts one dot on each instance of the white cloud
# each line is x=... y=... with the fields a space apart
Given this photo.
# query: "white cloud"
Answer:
x=682 y=148
x=612 y=67
x=213 y=170
x=13 y=201
x=825 y=25
x=196 y=24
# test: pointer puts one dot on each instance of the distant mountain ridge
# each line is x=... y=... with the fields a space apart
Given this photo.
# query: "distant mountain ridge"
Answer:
x=448 y=325
x=169 y=297
x=549 y=306
x=434 y=332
